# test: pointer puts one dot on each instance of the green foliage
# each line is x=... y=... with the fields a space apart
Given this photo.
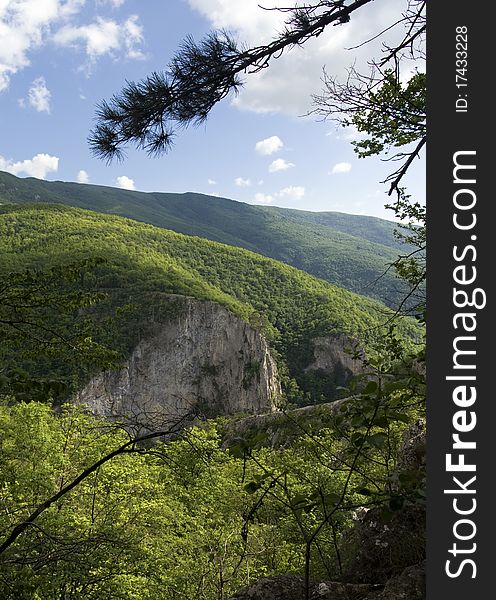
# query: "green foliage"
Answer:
x=162 y=525
x=46 y=328
x=145 y=265
x=121 y=533
x=187 y=518
x=395 y=115
x=411 y=267
x=351 y=251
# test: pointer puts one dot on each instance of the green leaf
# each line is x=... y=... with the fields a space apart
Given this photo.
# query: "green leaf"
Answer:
x=359 y=421
x=357 y=439
x=259 y=439
x=397 y=416
x=370 y=388
x=332 y=499
x=252 y=487
x=237 y=450
x=378 y=440
x=299 y=501
x=381 y=421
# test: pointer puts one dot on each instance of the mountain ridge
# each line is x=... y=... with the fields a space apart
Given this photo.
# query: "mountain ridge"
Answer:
x=145 y=262
x=351 y=251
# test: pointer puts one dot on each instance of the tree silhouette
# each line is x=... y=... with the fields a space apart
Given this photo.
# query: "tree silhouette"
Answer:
x=149 y=112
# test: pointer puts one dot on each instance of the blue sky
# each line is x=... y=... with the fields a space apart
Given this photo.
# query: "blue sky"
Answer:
x=59 y=58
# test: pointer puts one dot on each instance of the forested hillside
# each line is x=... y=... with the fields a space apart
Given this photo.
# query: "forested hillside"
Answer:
x=202 y=399
x=351 y=251
x=144 y=265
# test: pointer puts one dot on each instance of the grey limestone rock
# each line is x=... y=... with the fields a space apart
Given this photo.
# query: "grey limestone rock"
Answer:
x=292 y=587
x=336 y=353
x=204 y=359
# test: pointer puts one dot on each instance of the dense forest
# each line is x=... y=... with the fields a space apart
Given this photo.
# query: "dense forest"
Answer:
x=351 y=251
x=325 y=495
x=144 y=265
x=189 y=518
x=94 y=513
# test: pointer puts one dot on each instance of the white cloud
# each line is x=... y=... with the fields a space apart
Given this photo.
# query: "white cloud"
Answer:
x=286 y=86
x=240 y=182
x=133 y=36
x=348 y=133
x=39 y=95
x=211 y=182
x=83 y=177
x=269 y=145
x=280 y=165
x=246 y=17
x=22 y=28
x=26 y=25
x=104 y=36
x=113 y=3
x=293 y=191
x=125 y=183
x=38 y=166
x=69 y=7
x=342 y=167
x=263 y=198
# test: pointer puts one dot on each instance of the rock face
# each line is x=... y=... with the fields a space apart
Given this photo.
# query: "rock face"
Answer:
x=281 y=429
x=409 y=585
x=334 y=353
x=281 y=587
x=292 y=587
x=383 y=551
x=204 y=359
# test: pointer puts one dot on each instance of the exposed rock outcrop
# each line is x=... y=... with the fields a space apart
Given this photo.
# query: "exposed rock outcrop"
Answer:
x=281 y=587
x=203 y=359
x=337 y=354
x=292 y=587
x=282 y=428
x=382 y=551
x=412 y=452
x=409 y=585
x=388 y=559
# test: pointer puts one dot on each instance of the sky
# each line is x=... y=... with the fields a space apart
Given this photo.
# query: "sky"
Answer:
x=59 y=58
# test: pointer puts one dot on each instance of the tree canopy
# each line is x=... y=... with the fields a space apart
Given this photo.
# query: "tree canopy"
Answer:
x=145 y=266
x=86 y=511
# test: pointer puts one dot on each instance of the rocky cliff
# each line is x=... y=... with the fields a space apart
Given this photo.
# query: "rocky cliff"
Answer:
x=203 y=359
x=337 y=354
